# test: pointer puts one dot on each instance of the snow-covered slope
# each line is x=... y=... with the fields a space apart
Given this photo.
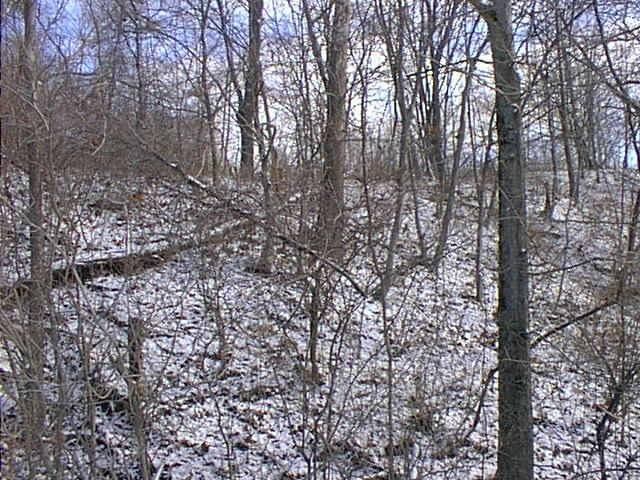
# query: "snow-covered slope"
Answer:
x=230 y=391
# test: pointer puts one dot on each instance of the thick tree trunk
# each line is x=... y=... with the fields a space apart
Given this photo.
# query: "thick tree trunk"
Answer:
x=334 y=145
x=515 y=437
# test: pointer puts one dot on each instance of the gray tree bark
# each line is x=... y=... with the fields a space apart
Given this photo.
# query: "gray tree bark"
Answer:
x=515 y=436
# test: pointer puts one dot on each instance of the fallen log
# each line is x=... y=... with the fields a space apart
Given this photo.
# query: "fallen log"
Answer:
x=130 y=264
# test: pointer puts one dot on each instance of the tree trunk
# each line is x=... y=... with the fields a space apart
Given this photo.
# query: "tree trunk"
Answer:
x=248 y=109
x=566 y=125
x=141 y=111
x=34 y=407
x=457 y=156
x=268 y=166
x=436 y=27
x=549 y=209
x=481 y=189
x=137 y=392
x=515 y=437
x=334 y=145
x=205 y=8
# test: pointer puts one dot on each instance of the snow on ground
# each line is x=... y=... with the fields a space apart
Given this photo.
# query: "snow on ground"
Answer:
x=229 y=385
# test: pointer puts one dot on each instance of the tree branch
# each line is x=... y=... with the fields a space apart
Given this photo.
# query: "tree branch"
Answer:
x=228 y=205
x=558 y=328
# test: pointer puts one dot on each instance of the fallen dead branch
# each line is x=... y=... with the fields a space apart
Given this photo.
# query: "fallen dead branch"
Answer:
x=130 y=264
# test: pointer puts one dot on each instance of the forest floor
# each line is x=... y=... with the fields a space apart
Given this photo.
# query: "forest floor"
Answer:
x=407 y=383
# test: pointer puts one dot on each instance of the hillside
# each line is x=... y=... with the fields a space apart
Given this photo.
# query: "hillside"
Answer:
x=227 y=383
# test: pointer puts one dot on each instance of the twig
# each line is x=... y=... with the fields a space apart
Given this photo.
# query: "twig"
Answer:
x=568 y=267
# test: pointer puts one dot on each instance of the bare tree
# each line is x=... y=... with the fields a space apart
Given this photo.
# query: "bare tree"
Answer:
x=457 y=156
x=333 y=73
x=248 y=109
x=34 y=346
x=515 y=435
x=437 y=26
x=203 y=8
